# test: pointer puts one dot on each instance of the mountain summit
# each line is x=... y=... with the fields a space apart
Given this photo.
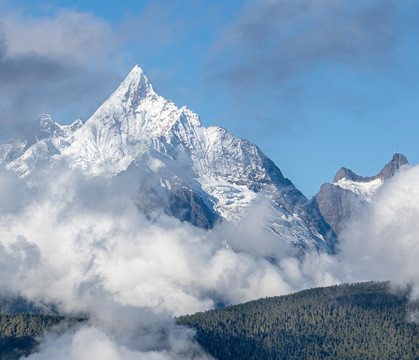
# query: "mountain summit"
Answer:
x=337 y=200
x=387 y=171
x=135 y=88
x=136 y=84
x=201 y=175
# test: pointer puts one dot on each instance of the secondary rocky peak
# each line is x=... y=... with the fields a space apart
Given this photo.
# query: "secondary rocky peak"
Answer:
x=345 y=173
x=391 y=167
x=76 y=124
x=47 y=128
x=388 y=171
x=339 y=200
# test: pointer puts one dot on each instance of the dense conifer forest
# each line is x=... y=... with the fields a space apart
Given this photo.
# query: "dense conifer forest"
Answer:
x=19 y=332
x=356 y=321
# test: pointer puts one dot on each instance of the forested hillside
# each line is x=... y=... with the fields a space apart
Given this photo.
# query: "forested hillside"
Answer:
x=18 y=332
x=357 y=321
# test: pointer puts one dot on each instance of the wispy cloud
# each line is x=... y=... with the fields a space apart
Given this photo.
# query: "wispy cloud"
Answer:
x=78 y=36
x=271 y=41
x=49 y=64
x=278 y=56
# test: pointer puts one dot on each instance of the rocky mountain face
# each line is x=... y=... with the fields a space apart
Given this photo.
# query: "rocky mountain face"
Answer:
x=200 y=175
x=338 y=200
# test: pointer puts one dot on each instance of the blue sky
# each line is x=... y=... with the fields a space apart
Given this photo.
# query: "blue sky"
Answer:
x=316 y=84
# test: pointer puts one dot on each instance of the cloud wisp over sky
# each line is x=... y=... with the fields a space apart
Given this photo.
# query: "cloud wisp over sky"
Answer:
x=49 y=64
x=272 y=41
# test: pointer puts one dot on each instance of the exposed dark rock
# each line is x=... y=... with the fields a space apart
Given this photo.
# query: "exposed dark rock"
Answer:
x=178 y=201
x=337 y=205
x=386 y=172
x=294 y=201
x=391 y=168
x=345 y=173
x=187 y=206
x=315 y=218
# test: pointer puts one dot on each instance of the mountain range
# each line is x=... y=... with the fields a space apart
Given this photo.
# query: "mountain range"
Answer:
x=202 y=175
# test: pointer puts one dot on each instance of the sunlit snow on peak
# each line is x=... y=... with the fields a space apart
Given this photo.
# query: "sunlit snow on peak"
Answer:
x=366 y=190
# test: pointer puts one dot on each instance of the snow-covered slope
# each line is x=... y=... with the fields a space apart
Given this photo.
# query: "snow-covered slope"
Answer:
x=49 y=138
x=338 y=200
x=364 y=189
x=203 y=174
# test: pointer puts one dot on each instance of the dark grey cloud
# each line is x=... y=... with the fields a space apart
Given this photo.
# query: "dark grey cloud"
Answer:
x=272 y=41
x=33 y=84
x=66 y=79
x=76 y=35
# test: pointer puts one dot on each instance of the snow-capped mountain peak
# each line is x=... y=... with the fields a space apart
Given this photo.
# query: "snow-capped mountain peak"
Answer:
x=135 y=88
x=47 y=128
x=128 y=124
x=200 y=174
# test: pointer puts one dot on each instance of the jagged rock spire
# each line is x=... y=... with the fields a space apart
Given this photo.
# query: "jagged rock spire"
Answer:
x=391 y=167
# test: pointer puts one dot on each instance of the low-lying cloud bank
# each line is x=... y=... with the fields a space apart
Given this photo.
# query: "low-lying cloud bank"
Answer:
x=81 y=244
x=382 y=243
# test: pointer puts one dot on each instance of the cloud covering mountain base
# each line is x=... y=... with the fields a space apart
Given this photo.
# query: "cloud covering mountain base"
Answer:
x=81 y=244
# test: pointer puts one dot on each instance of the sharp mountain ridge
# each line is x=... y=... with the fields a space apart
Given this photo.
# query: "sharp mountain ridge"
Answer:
x=200 y=174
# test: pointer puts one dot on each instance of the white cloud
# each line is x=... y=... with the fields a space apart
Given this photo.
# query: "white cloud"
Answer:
x=50 y=63
x=92 y=343
x=383 y=243
x=82 y=245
